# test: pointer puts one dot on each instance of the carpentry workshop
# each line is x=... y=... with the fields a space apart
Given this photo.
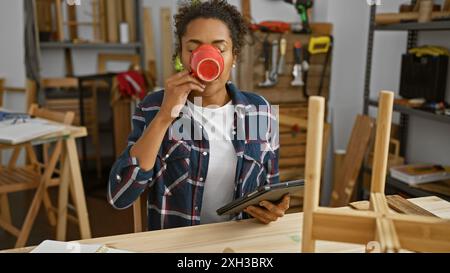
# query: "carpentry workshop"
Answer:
x=255 y=127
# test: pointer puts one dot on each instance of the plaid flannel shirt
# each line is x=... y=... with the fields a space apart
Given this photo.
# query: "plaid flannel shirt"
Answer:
x=176 y=181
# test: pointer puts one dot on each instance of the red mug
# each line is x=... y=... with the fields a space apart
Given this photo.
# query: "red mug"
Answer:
x=207 y=63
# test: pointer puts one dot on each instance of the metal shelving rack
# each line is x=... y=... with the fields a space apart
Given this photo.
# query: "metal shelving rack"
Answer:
x=138 y=45
x=405 y=112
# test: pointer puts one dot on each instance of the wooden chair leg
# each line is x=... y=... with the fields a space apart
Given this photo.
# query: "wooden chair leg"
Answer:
x=313 y=164
x=5 y=213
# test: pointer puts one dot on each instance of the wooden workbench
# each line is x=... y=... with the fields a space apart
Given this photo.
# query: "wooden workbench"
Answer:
x=242 y=236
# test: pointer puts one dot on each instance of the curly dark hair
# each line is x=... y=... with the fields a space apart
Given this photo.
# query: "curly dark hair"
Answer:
x=212 y=9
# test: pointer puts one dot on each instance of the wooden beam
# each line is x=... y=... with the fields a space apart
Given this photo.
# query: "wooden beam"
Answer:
x=344 y=185
x=112 y=23
x=246 y=10
x=344 y=226
x=384 y=119
x=313 y=168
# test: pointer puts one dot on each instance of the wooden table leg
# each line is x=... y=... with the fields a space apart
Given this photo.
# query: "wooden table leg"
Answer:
x=78 y=191
x=37 y=200
x=63 y=196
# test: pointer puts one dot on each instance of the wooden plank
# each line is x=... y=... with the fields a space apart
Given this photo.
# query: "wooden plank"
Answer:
x=246 y=10
x=112 y=25
x=291 y=162
x=72 y=17
x=400 y=204
x=291 y=174
x=395 y=18
x=59 y=21
x=292 y=121
x=96 y=20
x=313 y=169
x=292 y=139
x=446 y=5
x=129 y=18
x=356 y=149
x=103 y=28
x=167 y=42
x=292 y=151
x=44 y=15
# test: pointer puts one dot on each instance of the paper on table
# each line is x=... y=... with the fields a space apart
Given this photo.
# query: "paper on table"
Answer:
x=49 y=246
x=25 y=131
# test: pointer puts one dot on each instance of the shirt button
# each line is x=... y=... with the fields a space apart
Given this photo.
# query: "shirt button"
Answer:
x=167 y=156
x=205 y=153
x=196 y=208
x=201 y=179
x=234 y=132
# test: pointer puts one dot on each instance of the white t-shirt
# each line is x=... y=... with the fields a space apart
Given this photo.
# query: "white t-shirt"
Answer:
x=219 y=182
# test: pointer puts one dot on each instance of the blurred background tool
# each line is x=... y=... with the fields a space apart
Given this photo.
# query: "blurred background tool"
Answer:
x=282 y=61
x=303 y=7
x=300 y=65
x=274 y=72
x=266 y=53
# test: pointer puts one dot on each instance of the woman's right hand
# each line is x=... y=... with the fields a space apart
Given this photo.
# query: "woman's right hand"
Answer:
x=176 y=91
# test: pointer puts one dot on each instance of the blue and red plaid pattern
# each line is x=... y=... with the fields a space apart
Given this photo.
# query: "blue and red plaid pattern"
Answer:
x=177 y=180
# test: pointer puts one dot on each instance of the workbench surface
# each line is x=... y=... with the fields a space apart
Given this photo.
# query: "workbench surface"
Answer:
x=240 y=236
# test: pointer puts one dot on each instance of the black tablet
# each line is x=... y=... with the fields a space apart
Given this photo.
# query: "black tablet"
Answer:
x=273 y=193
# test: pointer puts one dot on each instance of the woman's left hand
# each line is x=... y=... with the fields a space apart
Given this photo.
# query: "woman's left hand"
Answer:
x=269 y=212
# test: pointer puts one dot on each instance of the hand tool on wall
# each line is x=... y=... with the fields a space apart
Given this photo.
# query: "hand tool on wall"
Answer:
x=302 y=7
x=274 y=72
x=271 y=26
x=318 y=45
x=282 y=61
x=323 y=45
x=300 y=65
x=266 y=52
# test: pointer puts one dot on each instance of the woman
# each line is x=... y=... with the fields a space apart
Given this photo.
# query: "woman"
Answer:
x=190 y=177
